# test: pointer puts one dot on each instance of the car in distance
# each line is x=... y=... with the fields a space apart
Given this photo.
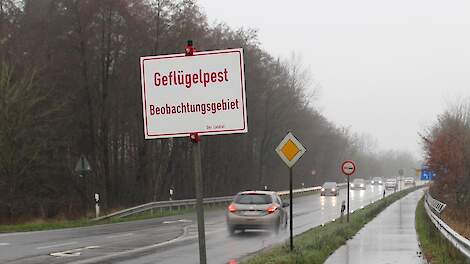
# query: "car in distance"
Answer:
x=358 y=184
x=410 y=181
x=391 y=183
x=329 y=188
x=256 y=210
x=376 y=181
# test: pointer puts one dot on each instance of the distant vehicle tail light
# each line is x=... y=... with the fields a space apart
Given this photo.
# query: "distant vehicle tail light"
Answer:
x=272 y=209
x=232 y=208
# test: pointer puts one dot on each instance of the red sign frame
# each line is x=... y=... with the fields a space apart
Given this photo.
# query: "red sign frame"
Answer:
x=353 y=166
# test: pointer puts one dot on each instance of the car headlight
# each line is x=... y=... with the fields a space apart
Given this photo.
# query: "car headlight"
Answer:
x=352 y=184
x=322 y=189
x=380 y=182
x=372 y=182
x=362 y=185
x=334 y=190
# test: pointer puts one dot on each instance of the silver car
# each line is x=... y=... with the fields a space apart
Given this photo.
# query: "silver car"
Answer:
x=376 y=181
x=410 y=181
x=256 y=210
x=358 y=184
x=329 y=188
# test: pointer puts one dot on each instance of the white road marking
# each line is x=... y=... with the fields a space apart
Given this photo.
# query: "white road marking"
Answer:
x=72 y=252
x=57 y=245
x=178 y=221
x=121 y=235
x=92 y=247
x=4 y=244
x=66 y=254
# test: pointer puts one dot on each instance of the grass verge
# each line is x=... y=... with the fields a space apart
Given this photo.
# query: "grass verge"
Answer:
x=436 y=248
x=315 y=245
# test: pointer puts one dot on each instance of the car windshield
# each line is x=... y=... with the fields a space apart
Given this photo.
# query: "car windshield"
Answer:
x=253 y=198
x=358 y=181
x=391 y=180
x=329 y=185
x=377 y=179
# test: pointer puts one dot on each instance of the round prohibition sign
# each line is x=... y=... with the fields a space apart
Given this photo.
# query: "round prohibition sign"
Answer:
x=348 y=167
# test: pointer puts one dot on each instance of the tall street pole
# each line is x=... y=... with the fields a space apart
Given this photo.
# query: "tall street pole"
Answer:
x=196 y=153
x=291 y=214
x=347 y=216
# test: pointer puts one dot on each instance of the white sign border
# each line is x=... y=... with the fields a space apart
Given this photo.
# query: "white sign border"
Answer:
x=302 y=150
x=187 y=133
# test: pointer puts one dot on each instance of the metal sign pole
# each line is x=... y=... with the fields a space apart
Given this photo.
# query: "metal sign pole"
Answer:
x=291 y=215
x=196 y=153
x=198 y=180
x=347 y=216
x=290 y=150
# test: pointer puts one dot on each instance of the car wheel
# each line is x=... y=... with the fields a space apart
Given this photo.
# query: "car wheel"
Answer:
x=231 y=230
x=277 y=226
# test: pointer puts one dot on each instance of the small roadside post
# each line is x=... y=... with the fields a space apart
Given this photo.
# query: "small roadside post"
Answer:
x=290 y=150
x=400 y=173
x=97 y=205
x=348 y=168
x=194 y=94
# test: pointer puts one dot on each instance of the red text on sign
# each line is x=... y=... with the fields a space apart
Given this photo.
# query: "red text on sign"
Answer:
x=174 y=78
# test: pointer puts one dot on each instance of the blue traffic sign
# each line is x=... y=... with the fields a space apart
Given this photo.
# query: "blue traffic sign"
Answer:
x=427 y=174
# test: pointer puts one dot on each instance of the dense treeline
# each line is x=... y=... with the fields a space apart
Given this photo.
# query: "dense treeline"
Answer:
x=447 y=146
x=70 y=86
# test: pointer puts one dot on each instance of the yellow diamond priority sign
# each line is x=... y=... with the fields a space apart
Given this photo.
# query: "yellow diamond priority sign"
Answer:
x=290 y=150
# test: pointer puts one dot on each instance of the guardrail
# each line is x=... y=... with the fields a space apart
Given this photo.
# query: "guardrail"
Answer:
x=192 y=202
x=460 y=242
x=435 y=204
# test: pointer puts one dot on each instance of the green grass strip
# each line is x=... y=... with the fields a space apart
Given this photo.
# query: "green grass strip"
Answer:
x=436 y=248
x=317 y=244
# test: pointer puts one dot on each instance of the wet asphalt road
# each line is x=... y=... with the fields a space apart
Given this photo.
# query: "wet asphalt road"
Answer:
x=389 y=238
x=167 y=240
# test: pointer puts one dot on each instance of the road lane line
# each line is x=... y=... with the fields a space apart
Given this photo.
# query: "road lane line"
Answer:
x=57 y=245
x=121 y=235
x=5 y=244
x=178 y=221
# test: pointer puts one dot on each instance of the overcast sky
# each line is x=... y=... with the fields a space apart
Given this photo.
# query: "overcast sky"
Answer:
x=386 y=68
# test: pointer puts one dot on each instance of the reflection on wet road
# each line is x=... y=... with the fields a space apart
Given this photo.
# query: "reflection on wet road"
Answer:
x=388 y=238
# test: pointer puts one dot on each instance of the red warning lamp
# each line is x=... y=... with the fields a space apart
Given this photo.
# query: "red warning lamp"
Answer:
x=189 y=50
